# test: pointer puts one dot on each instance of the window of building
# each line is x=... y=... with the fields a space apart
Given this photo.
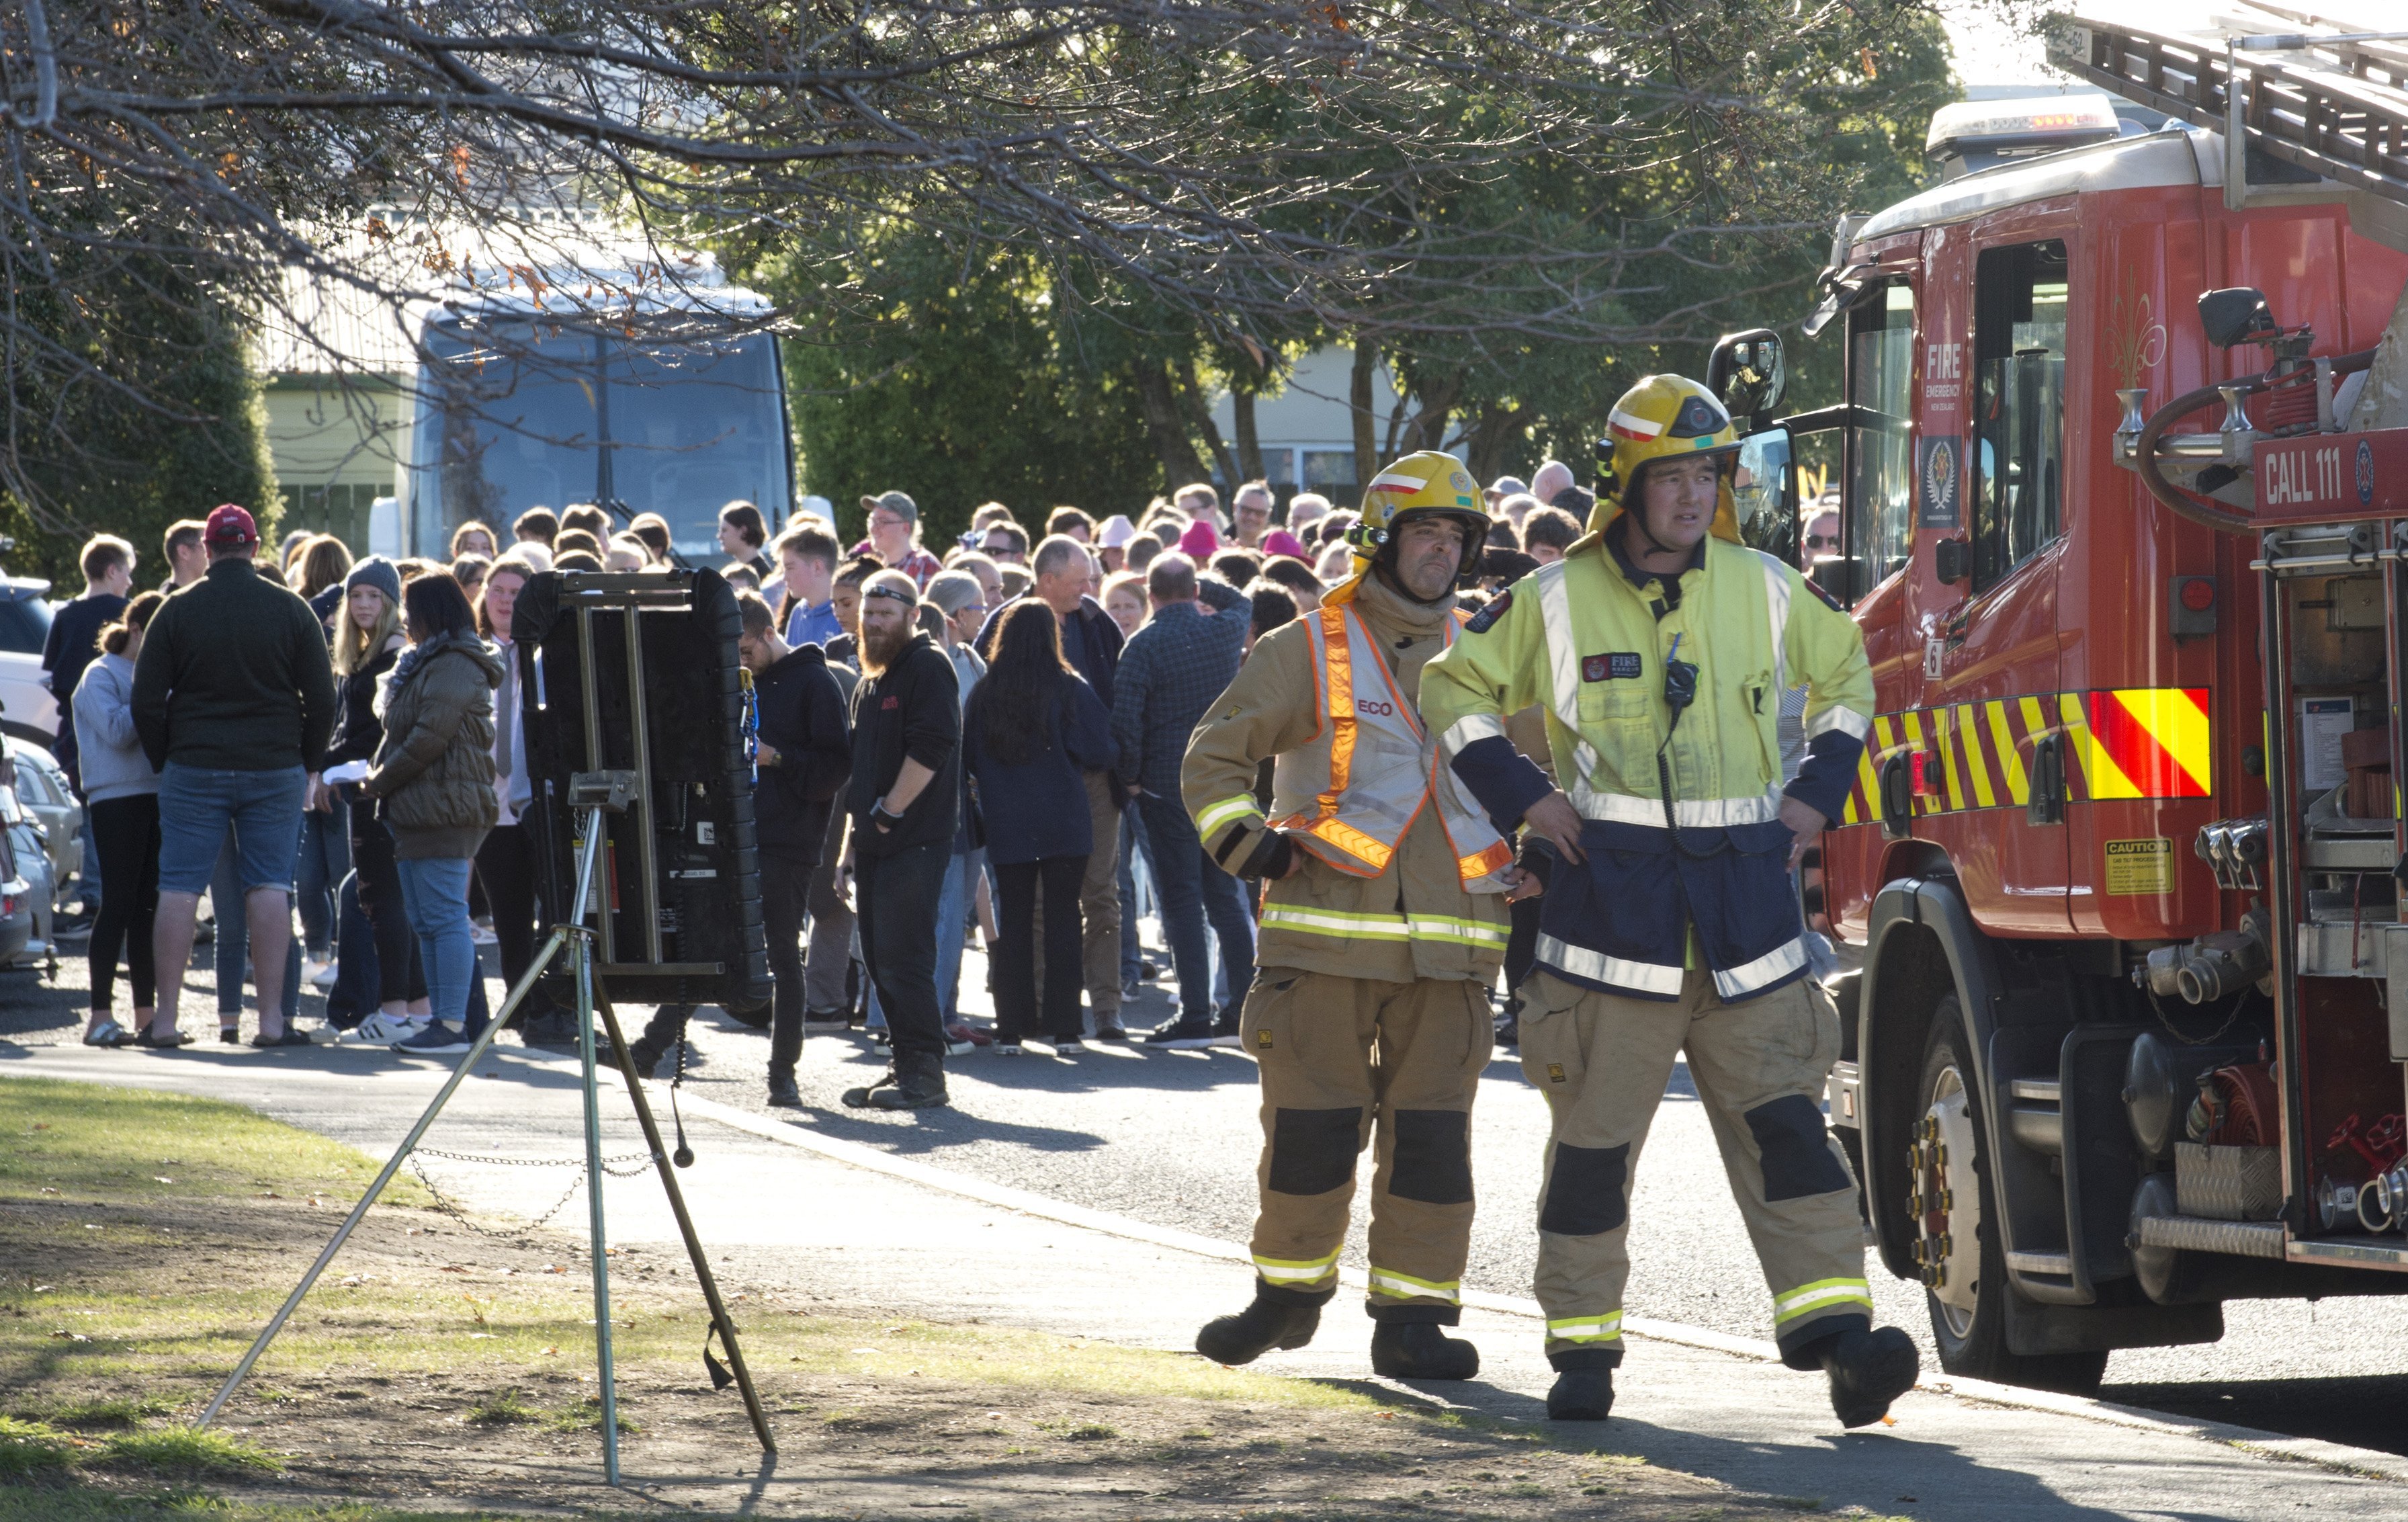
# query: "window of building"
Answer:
x=2018 y=406
x=1880 y=447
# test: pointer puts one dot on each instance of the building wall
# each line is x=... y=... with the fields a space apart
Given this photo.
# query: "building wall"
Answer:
x=1307 y=428
x=336 y=450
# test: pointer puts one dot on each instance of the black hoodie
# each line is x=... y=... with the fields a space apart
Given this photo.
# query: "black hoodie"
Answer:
x=803 y=720
x=911 y=709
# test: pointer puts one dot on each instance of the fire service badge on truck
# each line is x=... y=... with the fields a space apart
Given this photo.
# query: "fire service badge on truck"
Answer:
x=1937 y=473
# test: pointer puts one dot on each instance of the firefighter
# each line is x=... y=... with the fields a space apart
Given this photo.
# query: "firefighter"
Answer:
x=1659 y=646
x=1384 y=923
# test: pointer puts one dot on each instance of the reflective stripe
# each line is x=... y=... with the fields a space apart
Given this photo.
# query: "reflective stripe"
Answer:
x=1596 y=966
x=1604 y=1329
x=1822 y=1294
x=1333 y=922
x=1338 y=658
x=1472 y=867
x=1698 y=813
x=1286 y=1270
x=1404 y=1286
x=1471 y=727
x=1346 y=838
x=1633 y=424
x=1224 y=811
x=1563 y=663
x=1771 y=968
x=1776 y=601
x=1847 y=721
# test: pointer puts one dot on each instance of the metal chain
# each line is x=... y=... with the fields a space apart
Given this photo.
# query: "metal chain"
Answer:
x=447 y=1206
x=577 y=1163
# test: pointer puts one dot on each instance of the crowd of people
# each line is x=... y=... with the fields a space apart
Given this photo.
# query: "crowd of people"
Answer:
x=1014 y=782
x=1359 y=763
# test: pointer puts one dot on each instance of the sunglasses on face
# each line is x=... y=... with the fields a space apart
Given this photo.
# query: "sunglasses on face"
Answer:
x=890 y=595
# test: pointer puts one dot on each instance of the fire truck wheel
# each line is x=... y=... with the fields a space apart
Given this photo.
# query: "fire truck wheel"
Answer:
x=1955 y=1212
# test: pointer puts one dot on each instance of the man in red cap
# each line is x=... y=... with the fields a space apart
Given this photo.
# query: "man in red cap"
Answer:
x=233 y=699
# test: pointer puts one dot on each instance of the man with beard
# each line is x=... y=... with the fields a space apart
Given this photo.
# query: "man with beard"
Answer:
x=1384 y=925
x=905 y=802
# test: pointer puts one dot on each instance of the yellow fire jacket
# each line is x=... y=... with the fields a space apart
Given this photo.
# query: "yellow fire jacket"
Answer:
x=1414 y=919
x=1589 y=639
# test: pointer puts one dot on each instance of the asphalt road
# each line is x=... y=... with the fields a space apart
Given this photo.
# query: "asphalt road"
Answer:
x=1171 y=1138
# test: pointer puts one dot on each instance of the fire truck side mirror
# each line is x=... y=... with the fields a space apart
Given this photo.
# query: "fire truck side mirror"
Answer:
x=1749 y=372
x=2236 y=315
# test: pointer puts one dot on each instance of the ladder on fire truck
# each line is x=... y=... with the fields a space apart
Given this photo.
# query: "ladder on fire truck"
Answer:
x=2321 y=91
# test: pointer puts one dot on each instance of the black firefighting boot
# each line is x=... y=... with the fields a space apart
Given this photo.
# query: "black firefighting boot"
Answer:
x=1256 y=1330
x=916 y=1082
x=1421 y=1350
x=1581 y=1395
x=1869 y=1369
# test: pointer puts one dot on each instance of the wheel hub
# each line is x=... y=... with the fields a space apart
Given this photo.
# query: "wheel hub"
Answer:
x=1946 y=1200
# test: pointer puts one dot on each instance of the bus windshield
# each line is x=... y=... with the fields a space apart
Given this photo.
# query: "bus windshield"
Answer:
x=511 y=418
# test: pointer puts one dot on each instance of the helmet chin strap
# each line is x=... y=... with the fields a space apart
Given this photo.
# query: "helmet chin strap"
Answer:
x=1383 y=565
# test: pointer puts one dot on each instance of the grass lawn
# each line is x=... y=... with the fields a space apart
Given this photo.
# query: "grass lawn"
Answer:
x=435 y=1371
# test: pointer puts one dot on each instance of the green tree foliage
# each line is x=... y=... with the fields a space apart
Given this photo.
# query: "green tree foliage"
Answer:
x=160 y=419
x=960 y=382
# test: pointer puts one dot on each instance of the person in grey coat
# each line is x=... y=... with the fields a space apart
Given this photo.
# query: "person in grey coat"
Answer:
x=121 y=789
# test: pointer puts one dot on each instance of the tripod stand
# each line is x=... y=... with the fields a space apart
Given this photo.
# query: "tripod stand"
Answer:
x=591 y=795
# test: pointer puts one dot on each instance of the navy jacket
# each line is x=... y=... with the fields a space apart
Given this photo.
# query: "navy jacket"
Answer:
x=1038 y=808
x=1091 y=642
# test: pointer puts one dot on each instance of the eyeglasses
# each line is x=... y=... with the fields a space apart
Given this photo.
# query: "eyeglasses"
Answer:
x=888 y=522
x=1822 y=541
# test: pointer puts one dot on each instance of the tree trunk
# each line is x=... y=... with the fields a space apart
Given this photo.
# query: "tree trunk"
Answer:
x=1427 y=429
x=1366 y=443
x=1199 y=417
x=1160 y=408
x=1491 y=433
x=1250 y=446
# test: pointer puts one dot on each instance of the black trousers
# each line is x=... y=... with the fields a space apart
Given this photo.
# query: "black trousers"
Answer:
x=506 y=864
x=785 y=889
x=126 y=830
x=895 y=897
x=1017 y=885
x=400 y=975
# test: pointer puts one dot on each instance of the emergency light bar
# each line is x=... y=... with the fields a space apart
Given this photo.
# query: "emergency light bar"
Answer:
x=1974 y=135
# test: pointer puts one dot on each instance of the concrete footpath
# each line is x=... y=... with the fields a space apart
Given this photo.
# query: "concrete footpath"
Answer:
x=782 y=1205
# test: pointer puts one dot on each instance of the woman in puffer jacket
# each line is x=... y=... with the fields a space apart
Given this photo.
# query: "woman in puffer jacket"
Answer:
x=433 y=780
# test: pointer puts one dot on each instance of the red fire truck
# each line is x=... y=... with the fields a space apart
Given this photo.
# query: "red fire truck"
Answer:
x=2123 y=861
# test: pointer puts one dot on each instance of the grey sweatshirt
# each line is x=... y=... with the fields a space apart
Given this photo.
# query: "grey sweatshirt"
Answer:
x=112 y=755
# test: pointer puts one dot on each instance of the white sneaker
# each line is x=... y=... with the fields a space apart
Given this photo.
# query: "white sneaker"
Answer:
x=481 y=933
x=381 y=1029
x=318 y=975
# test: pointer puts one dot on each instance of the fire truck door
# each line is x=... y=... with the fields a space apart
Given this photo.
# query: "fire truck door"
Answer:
x=1990 y=520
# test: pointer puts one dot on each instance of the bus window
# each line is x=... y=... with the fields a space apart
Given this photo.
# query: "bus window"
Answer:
x=1880 y=451
x=2018 y=406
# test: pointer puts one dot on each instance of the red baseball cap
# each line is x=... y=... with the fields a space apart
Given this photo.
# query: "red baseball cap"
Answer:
x=230 y=526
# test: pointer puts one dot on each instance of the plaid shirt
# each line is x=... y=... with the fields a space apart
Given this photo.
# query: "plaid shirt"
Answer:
x=919 y=564
x=1170 y=671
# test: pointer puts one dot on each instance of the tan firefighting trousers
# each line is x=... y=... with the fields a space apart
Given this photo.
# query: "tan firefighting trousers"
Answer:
x=1759 y=1065
x=1345 y=1061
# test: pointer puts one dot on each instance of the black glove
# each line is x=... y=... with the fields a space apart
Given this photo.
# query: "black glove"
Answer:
x=1270 y=858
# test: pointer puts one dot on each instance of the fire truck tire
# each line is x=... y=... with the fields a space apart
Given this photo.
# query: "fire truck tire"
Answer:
x=1970 y=1324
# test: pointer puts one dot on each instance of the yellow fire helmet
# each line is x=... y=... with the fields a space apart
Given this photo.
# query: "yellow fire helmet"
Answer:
x=1430 y=482
x=1661 y=417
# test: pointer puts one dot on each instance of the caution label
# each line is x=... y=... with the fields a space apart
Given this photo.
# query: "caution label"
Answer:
x=2140 y=867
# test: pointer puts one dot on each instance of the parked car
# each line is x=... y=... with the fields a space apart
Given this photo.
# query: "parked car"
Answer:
x=27 y=710
x=41 y=786
x=24 y=886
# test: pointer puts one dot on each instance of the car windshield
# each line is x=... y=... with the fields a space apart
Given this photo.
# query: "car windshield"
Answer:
x=514 y=420
x=24 y=624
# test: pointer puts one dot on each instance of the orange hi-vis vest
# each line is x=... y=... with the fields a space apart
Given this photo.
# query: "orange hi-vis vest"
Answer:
x=1350 y=793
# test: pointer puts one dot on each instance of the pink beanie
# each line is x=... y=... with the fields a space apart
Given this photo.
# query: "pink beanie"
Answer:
x=1279 y=541
x=1201 y=542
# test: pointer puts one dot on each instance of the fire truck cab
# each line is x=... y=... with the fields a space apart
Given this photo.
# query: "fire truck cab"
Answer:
x=2121 y=893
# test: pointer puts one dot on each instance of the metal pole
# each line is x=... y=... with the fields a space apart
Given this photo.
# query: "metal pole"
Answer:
x=584 y=955
x=702 y=1275
x=343 y=1232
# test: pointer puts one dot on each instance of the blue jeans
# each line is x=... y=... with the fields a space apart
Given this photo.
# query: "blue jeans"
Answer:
x=1132 y=844
x=232 y=950
x=90 y=888
x=953 y=921
x=325 y=856
x=435 y=895
x=197 y=805
x=1194 y=891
